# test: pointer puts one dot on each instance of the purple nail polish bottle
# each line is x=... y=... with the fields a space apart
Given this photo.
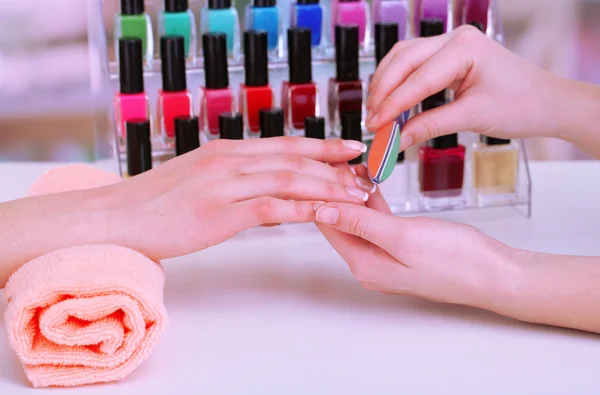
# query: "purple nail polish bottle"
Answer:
x=393 y=11
x=436 y=9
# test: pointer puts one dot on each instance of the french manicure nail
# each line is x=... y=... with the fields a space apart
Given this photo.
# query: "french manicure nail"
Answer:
x=353 y=170
x=354 y=145
x=365 y=184
x=358 y=193
x=328 y=215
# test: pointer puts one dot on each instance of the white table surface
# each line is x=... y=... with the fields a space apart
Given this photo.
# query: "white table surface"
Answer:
x=285 y=317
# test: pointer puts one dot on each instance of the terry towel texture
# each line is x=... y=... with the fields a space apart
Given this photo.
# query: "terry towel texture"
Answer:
x=85 y=314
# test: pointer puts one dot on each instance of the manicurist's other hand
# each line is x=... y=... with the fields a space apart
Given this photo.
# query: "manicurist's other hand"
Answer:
x=207 y=196
x=496 y=92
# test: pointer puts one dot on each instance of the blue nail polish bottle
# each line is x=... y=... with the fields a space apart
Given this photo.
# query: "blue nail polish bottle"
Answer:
x=309 y=14
x=264 y=15
x=221 y=17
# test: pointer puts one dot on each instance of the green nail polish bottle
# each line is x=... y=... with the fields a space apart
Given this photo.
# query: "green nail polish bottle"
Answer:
x=178 y=20
x=134 y=22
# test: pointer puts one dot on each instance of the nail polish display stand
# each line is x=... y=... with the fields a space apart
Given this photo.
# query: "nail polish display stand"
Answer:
x=402 y=188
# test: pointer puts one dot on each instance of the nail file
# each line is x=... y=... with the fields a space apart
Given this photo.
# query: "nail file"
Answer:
x=384 y=150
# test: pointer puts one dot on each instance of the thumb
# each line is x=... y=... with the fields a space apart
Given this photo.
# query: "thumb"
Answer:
x=366 y=223
x=437 y=119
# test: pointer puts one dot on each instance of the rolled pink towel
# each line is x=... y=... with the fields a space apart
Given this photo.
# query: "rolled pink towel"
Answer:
x=84 y=314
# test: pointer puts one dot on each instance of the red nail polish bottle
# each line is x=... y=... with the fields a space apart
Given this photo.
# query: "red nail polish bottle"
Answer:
x=441 y=164
x=345 y=92
x=216 y=97
x=174 y=100
x=131 y=102
x=255 y=94
x=299 y=95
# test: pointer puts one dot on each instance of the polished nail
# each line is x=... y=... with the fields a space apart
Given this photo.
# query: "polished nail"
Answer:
x=405 y=142
x=328 y=215
x=365 y=184
x=354 y=145
x=358 y=193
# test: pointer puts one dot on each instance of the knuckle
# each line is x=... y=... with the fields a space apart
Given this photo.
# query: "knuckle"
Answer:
x=468 y=34
x=358 y=227
x=296 y=162
x=265 y=208
x=216 y=163
x=431 y=128
x=301 y=210
x=285 y=179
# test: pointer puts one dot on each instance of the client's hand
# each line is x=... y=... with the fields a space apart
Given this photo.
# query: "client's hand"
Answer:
x=425 y=257
x=206 y=196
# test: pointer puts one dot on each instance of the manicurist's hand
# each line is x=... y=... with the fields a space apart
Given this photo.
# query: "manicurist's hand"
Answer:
x=496 y=93
x=189 y=203
x=456 y=263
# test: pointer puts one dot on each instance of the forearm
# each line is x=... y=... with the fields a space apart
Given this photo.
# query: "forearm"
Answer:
x=34 y=226
x=576 y=115
x=551 y=290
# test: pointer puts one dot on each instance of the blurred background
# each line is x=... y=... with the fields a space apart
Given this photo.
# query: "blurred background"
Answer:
x=54 y=97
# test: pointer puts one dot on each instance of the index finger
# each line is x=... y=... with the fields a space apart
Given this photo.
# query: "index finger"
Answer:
x=329 y=151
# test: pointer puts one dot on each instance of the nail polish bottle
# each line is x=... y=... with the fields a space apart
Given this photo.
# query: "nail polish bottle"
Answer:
x=477 y=11
x=131 y=102
x=386 y=36
x=345 y=91
x=495 y=169
x=187 y=135
x=314 y=128
x=255 y=94
x=308 y=14
x=352 y=130
x=215 y=97
x=299 y=95
x=131 y=22
x=432 y=28
x=441 y=165
x=178 y=20
x=264 y=15
x=174 y=99
x=139 y=149
x=221 y=17
x=393 y=12
x=271 y=122
x=353 y=13
x=437 y=10
x=231 y=126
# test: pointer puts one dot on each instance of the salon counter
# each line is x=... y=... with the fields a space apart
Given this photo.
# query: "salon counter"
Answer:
x=284 y=316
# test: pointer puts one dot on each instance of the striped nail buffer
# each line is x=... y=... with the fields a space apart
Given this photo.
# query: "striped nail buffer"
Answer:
x=384 y=150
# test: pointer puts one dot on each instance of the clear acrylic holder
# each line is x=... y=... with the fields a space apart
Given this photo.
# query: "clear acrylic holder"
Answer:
x=401 y=190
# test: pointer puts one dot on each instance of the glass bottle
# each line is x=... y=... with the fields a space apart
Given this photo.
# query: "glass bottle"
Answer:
x=131 y=22
x=495 y=169
x=178 y=20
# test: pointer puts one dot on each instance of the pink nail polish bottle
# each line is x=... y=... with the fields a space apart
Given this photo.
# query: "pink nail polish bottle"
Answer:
x=438 y=10
x=131 y=102
x=353 y=12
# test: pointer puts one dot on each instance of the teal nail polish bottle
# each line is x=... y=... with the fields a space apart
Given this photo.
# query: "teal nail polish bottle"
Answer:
x=264 y=15
x=133 y=22
x=178 y=20
x=221 y=17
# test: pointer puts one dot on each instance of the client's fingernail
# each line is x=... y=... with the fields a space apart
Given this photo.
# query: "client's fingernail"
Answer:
x=358 y=193
x=353 y=170
x=354 y=145
x=365 y=184
x=405 y=142
x=328 y=215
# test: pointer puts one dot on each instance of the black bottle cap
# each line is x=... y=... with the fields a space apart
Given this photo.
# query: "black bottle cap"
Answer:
x=215 y=60
x=172 y=55
x=306 y=2
x=351 y=126
x=264 y=3
x=271 y=122
x=187 y=134
x=314 y=127
x=441 y=142
x=132 y=7
x=493 y=140
x=231 y=126
x=300 y=55
x=176 y=5
x=478 y=25
x=386 y=35
x=346 y=53
x=432 y=27
x=256 y=58
x=219 y=4
x=131 y=69
x=139 y=150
